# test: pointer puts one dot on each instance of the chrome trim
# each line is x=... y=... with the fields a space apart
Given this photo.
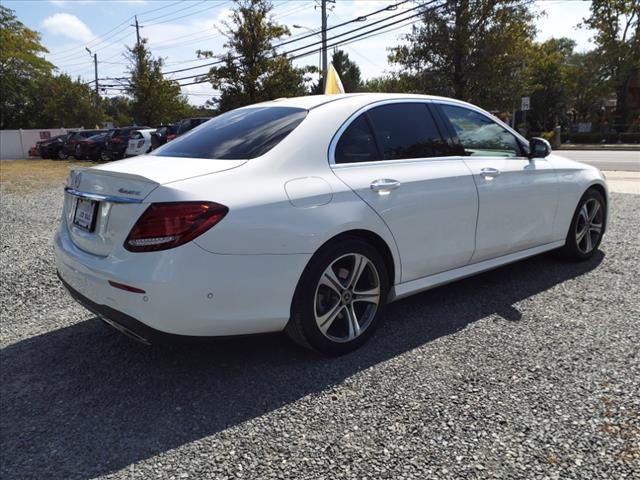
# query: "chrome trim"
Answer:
x=101 y=198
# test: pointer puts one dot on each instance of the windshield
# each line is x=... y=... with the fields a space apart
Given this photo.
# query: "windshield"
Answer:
x=239 y=134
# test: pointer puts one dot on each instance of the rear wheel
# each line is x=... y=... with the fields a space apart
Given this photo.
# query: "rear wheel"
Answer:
x=587 y=227
x=61 y=155
x=337 y=304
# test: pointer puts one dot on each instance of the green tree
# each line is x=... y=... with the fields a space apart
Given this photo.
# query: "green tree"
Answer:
x=20 y=66
x=59 y=101
x=250 y=70
x=118 y=110
x=551 y=85
x=617 y=39
x=470 y=49
x=154 y=99
x=393 y=83
x=589 y=93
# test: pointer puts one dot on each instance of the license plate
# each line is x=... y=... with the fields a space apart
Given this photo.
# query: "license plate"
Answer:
x=85 y=216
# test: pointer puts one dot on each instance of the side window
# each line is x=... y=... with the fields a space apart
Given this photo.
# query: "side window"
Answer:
x=357 y=143
x=479 y=135
x=407 y=130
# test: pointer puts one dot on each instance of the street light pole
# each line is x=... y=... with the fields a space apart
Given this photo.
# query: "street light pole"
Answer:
x=319 y=56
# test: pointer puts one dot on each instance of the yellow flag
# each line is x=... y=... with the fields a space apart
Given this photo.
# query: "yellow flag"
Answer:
x=333 y=84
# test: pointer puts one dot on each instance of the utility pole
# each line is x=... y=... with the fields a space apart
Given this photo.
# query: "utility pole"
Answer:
x=138 y=53
x=323 y=9
x=95 y=68
x=137 y=31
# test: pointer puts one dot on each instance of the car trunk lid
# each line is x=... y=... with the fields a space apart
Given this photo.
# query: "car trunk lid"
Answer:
x=103 y=203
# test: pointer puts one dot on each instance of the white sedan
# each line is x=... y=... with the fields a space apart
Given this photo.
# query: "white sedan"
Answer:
x=139 y=142
x=309 y=214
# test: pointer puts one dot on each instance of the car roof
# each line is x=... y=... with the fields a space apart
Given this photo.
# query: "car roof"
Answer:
x=310 y=102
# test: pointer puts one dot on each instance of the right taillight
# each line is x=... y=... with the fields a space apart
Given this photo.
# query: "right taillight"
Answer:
x=170 y=137
x=167 y=225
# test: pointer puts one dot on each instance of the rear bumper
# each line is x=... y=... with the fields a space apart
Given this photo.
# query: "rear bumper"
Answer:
x=187 y=291
x=124 y=323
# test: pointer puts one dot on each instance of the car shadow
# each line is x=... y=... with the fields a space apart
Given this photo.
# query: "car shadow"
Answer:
x=84 y=401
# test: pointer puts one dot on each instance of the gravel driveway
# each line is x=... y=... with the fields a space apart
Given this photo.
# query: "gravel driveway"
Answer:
x=529 y=371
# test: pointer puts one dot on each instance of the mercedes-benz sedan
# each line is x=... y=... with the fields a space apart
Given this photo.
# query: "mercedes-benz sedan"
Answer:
x=309 y=214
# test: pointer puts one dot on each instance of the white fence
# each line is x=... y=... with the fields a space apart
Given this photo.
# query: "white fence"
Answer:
x=15 y=144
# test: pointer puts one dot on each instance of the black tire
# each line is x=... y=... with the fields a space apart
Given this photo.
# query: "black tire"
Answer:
x=61 y=155
x=578 y=249
x=104 y=155
x=303 y=326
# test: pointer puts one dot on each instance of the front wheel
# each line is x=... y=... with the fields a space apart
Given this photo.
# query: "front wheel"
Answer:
x=587 y=227
x=337 y=303
x=62 y=155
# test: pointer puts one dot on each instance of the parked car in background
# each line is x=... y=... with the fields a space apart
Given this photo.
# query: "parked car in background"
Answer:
x=71 y=147
x=163 y=134
x=52 y=148
x=35 y=150
x=189 y=123
x=139 y=142
x=91 y=148
x=117 y=141
x=309 y=214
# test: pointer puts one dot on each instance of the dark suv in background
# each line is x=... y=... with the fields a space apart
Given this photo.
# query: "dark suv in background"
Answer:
x=71 y=147
x=116 y=142
x=188 y=123
x=52 y=148
x=163 y=134
x=91 y=148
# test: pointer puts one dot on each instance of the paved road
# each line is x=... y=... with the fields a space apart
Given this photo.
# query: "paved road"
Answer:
x=606 y=159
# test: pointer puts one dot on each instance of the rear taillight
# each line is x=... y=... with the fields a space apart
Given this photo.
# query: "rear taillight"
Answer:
x=170 y=137
x=116 y=140
x=167 y=225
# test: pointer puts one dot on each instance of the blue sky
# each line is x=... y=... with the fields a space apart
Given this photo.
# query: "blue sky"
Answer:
x=175 y=29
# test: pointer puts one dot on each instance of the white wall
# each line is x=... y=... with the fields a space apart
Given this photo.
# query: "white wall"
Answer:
x=15 y=144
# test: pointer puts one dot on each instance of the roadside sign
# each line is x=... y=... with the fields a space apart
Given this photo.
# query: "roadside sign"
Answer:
x=525 y=103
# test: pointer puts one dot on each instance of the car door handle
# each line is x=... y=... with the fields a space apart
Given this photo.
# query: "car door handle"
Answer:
x=489 y=172
x=384 y=185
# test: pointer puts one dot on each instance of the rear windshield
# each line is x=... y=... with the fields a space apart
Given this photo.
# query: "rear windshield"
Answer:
x=239 y=134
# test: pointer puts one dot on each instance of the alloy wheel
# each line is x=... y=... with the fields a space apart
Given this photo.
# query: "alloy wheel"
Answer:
x=347 y=297
x=589 y=225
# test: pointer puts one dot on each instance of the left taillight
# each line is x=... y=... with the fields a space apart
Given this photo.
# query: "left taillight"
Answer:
x=168 y=225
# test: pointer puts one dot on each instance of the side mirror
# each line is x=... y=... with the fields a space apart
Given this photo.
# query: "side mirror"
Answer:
x=539 y=148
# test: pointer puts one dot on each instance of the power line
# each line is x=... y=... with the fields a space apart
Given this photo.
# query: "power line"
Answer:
x=352 y=39
x=308 y=35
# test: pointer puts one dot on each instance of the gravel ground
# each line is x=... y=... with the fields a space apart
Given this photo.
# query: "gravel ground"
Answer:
x=529 y=371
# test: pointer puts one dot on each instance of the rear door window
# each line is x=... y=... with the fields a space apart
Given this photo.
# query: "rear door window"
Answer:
x=357 y=143
x=407 y=130
x=239 y=134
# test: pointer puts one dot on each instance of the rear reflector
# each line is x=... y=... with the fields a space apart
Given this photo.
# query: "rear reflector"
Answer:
x=167 y=225
x=127 y=288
